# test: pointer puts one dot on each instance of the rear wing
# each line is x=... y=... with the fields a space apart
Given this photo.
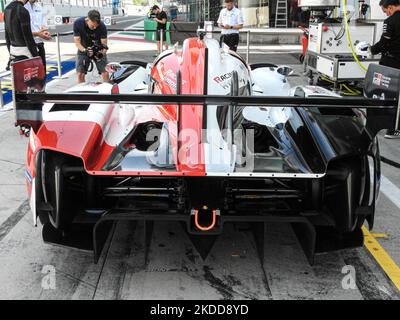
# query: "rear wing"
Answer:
x=29 y=97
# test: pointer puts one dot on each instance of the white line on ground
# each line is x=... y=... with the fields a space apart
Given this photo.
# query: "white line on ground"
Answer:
x=129 y=20
x=55 y=81
x=138 y=20
x=391 y=191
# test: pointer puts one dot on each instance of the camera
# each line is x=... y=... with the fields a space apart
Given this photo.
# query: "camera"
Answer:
x=97 y=48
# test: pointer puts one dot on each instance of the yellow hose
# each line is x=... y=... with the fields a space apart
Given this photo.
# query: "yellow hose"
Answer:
x=352 y=92
x=342 y=87
x=348 y=37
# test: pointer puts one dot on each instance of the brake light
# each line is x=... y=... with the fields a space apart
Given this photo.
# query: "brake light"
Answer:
x=115 y=89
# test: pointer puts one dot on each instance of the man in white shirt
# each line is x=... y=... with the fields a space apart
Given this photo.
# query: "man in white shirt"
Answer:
x=39 y=27
x=230 y=21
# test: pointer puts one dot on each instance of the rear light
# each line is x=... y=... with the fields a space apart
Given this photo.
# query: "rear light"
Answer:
x=115 y=89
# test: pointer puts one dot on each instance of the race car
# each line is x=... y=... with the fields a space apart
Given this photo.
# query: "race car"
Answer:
x=201 y=137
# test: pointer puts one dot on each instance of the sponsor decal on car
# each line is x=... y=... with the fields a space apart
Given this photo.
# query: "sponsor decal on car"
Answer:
x=28 y=176
x=381 y=80
x=222 y=78
x=170 y=79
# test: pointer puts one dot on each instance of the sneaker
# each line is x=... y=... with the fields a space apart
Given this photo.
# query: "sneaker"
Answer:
x=392 y=134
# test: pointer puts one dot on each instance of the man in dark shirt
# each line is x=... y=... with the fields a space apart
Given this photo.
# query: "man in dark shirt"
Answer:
x=18 y=32
x=389 y=44
x=161 y=19
x=89 y=31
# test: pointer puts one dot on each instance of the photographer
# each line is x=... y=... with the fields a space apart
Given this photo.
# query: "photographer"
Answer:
x=90 y=37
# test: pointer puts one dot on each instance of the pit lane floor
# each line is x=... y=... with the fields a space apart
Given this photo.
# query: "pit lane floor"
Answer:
x=31 y=269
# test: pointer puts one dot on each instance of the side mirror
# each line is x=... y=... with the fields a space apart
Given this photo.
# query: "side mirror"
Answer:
x=285 y=70
x=113 y=67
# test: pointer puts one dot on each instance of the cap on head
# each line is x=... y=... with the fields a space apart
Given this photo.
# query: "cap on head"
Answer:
x=94 y=16
x=155 y=7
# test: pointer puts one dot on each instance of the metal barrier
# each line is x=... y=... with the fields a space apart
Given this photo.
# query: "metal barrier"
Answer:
x=57 y=36
x=161 y=40
x=58 y=56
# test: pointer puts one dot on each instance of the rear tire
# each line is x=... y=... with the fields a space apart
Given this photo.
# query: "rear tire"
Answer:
x=366 y=197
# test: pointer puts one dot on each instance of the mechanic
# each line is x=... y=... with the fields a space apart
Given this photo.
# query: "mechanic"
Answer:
x=230 y=21
x=39 y=27
x=18 y=33
x=89 y=32
x=161 y=19
x=389 y=44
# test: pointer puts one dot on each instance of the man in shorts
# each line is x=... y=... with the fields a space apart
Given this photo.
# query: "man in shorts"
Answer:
x=90 y=31
x=161 y=19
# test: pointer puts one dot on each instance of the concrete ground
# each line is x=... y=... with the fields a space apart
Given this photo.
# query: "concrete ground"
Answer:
x=174 y=269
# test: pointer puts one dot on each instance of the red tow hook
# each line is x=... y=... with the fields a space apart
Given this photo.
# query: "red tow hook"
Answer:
x=215 y=213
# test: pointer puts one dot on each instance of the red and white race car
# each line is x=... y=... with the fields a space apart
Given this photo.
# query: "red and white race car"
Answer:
x=199 y=136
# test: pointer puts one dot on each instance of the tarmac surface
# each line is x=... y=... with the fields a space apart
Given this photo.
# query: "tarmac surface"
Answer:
x=31 y=269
